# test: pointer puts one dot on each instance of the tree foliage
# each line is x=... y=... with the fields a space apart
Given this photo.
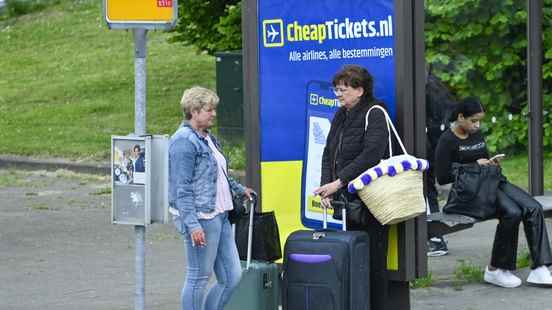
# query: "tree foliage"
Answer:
x=209 y=25
x=479 y=47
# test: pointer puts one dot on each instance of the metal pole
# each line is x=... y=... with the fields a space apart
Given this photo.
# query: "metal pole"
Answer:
x=534 y=91
x=250 y=63
x=140 y=264
x=418 y=22
x=140 y=81
x=139 y=130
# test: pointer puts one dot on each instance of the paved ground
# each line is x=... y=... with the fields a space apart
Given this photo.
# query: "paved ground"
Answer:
x=59 y=251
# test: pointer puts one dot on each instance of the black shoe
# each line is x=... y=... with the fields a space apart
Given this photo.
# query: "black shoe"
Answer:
x=437 y=247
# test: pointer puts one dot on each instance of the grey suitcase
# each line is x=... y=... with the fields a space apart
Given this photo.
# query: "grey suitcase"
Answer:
x=259 y=288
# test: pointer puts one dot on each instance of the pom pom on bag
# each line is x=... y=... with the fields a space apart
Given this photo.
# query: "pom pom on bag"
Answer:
x=393 y=189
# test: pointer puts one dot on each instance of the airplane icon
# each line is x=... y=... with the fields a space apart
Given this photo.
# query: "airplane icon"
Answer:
x=273 y=32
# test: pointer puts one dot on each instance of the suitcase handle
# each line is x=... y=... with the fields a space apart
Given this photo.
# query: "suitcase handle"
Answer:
x=344 y=204
x=252 y=207
x=343 y=214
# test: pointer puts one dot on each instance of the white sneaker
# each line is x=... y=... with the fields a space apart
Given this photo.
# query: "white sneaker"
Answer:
x=540 y=277
x=500 y=277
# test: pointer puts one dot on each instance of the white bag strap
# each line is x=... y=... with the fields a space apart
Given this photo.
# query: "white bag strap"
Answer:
x=389 y=126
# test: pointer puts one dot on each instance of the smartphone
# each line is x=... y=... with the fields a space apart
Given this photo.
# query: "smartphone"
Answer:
x=497 y=157
x=321 y=106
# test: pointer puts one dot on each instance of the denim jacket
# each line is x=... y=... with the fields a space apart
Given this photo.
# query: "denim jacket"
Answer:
x=193 y=177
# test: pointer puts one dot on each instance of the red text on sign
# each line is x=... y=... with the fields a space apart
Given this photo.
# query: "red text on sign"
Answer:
x=164 y=3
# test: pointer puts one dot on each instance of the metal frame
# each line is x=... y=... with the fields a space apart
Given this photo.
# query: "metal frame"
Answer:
x=159 y=176
x=534 y=95
x=420 y=124
x=410 y=94
x=251 y=97
x=148 y=25
x=410 y=98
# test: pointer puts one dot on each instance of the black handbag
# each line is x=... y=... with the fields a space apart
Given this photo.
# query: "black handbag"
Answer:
x=473 y=192
x=238 y=209
x=357 y=212
x=266 y=236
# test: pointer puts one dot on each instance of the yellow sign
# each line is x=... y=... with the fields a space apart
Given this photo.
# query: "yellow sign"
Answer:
x=140 y=13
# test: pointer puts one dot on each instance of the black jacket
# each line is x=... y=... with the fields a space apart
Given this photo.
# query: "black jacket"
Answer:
x=359 y=150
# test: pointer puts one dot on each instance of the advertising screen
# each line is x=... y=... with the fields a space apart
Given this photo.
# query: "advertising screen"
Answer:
x=302 y=44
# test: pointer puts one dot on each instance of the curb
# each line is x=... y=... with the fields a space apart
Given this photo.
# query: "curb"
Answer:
x=103 y=168
x=27 y=163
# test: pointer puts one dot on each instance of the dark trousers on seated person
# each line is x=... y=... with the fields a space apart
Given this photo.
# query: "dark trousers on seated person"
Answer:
x=513 y=206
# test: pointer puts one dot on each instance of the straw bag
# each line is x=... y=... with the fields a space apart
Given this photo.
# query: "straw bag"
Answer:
x=393 y=189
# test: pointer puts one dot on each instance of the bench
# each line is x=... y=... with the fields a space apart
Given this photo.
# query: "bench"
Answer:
x=440 y=224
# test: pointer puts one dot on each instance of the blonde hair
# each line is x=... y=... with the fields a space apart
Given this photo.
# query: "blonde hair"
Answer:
x=196 y=98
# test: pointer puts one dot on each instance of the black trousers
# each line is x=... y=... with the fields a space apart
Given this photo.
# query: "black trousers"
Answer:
x=379 y=285
x=514 y=206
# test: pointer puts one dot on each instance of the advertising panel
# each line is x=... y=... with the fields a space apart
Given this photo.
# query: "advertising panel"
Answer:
x=139 y=179
x=302 y=44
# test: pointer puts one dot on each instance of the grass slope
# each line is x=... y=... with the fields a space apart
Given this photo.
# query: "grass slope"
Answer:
x=67 y=82
x=67 y=85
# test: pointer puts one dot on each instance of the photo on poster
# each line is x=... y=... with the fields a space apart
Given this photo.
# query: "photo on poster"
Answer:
x=129 y=162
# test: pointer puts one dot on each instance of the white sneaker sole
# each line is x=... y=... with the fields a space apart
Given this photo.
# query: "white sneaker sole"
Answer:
x=541 y=285
x=437 y=253
x=501 y=284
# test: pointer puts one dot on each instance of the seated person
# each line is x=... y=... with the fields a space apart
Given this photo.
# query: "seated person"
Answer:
x=463 y=143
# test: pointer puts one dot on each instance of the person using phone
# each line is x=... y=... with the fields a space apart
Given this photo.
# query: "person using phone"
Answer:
x=349 y=151
x=463 y=143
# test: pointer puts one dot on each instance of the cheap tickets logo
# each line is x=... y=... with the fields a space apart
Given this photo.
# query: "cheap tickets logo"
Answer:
x=274 y=30
x=315 y=99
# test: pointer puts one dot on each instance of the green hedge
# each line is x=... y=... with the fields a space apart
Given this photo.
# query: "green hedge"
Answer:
x=479 y=47
x=209 y=25
x=16 y=8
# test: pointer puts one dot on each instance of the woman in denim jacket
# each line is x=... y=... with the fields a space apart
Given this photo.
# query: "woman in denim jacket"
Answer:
x=200 y=196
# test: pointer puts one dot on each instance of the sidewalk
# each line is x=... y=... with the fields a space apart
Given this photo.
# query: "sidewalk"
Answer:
x=474 y=245
x=59 y=251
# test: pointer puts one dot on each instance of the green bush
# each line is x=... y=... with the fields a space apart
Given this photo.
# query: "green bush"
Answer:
x=16 y=8
x=479 y=49
x=476 y=47
x=209 y=25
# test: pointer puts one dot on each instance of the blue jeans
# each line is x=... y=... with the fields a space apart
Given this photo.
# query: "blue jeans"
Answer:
x=221 y=255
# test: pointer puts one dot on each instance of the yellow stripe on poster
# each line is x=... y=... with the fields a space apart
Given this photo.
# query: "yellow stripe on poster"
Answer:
x=313 y=205
x=281 y=193
x=393 y=249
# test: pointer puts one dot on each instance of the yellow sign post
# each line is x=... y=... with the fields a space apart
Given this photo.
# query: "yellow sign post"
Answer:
x=140 y=16
x=145 y=14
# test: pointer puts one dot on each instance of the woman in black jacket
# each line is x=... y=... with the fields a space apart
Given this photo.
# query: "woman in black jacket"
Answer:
x=463 y=143
x=349 y=151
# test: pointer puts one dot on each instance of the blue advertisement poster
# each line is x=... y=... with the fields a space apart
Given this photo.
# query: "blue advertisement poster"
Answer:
x=302 y=44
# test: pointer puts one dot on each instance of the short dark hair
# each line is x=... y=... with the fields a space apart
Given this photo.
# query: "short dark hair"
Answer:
x=467 y=107
x=355 y=76
x=136 y=147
